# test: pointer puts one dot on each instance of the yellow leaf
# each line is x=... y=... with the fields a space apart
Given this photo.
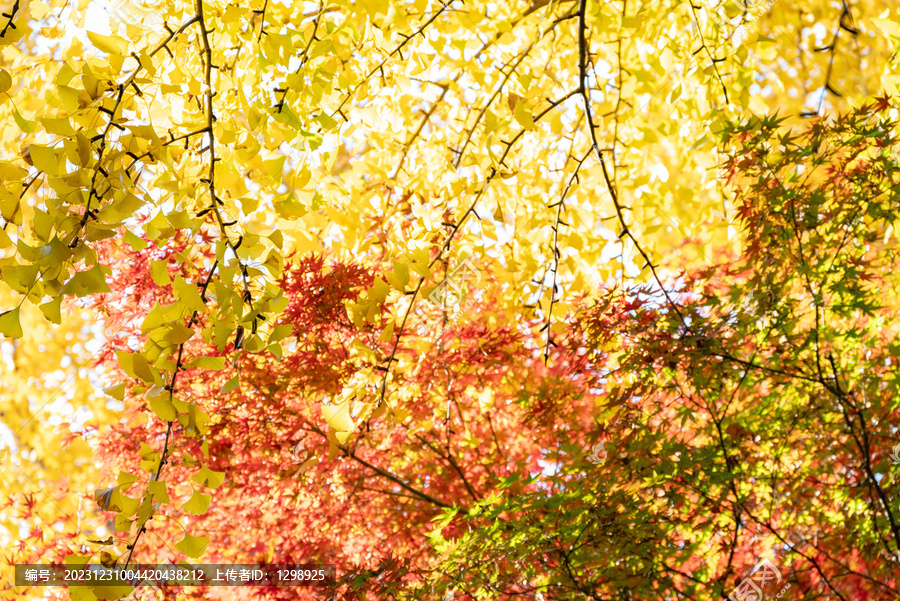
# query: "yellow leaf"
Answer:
x=890 y=27
x=232 y=384
x=207 y=477
x=9 y=324
x=187 y=293
x=280 y=331
x=108 y=44
x=108 y=499
x=135 y=242
x=399 y=278
x=51 y=310
x=338 y=416
x=86 y=283
x=158 y=490
x=143 y=370
x=213 y=363
x=359 y=347
x=117 y=392
x=136 y=366
x=60 y=127
x=523 y=116
x=178 y=334
x=198 y=504
x=44 y=158
x=275 y=167
x=388 y=334
x=40 y=10
x=253 y=344
x=192 y=546
x=24 y=124
x=149 y=458
x=164 y=409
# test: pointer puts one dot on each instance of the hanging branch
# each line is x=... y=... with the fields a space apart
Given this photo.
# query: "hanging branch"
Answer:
x=556 y=253
x=449 y=239
x=303 y=56
x=170 y=387
x=584 y=90
x=715 y=61
x=214 y=208
x=396 y=50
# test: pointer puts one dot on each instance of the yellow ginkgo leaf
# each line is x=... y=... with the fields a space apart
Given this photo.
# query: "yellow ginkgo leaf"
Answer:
x=109 y=44
x=9 y=324
x=338 y=416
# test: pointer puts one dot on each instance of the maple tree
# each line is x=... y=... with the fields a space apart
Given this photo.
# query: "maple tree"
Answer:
x=256 y=203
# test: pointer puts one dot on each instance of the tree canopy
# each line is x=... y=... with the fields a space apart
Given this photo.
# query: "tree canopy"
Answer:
x=546 y=300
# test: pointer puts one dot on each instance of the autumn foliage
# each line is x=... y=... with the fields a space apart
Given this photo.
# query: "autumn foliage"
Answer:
x=750 y=414
x=529 y=300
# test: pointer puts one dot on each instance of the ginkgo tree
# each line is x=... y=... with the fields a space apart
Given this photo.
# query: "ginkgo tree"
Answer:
x=51 y=409
x=180 y=167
